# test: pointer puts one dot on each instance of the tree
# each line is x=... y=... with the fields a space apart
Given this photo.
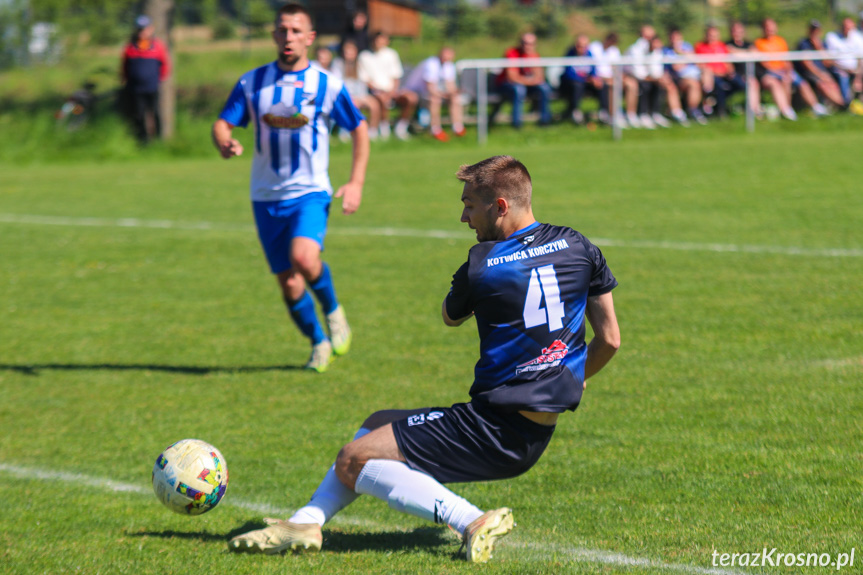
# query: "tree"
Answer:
x=161 y=14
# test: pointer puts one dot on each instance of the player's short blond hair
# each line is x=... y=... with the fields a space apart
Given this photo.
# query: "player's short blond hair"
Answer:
x=499 y=177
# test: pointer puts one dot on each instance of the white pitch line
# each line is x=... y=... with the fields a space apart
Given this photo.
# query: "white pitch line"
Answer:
x=434 y=234
x=574 y=553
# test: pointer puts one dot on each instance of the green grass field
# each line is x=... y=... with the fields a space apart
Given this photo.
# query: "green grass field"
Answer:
x=137 y=310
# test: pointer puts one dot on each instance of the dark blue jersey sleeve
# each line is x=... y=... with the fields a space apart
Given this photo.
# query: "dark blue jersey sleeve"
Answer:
x=601 y=281
x=345 y=113
x=236 y=112
x=458 y=300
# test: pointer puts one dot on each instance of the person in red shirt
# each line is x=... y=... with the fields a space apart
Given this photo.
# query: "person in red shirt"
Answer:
x=145 y=65
x=720 y=79
x=519 y=83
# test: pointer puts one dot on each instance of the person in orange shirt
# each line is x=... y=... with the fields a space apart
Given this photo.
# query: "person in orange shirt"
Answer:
x=779 y=77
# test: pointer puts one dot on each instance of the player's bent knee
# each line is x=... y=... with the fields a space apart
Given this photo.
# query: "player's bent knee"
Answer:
x=306 y=263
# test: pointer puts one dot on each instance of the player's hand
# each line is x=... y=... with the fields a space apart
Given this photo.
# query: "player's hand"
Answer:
x=351 y=194
x=230 y=149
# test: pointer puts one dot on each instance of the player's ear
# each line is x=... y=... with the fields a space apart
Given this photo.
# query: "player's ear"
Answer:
x=502 y=206
x=312 y=36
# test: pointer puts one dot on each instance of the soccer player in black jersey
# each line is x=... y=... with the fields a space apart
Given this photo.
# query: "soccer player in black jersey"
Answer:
x=530 y=287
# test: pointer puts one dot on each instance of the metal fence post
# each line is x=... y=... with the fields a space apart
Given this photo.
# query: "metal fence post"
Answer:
x=750 y=113
x=617 y=91
x=481 y=105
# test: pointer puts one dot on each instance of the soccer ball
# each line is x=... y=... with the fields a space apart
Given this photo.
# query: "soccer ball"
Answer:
x=190 y=477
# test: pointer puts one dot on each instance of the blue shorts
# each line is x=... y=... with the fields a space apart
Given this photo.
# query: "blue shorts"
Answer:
x=281 y=221
x=796 y=80
x=470 y=442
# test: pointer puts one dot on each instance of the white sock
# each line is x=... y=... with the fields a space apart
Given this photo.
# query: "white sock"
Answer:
x=415 y=493
x=329 y=498
x=457 y=127
x=402 y=125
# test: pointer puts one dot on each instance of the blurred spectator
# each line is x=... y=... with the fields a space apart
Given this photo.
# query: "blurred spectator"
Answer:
x=848 y=70
x=816 y=72
x=357 y=31
x=635 y=76
x=605 y=53
x=646 y=82
x=686 y=76
x=576 y=81
x=346 y=68
x=145 y=64
x=323 y=58
x=718 y=79
x=518 y=83
x=381 y=69
x=779 y=76
x=738 y=44
x=435 y=80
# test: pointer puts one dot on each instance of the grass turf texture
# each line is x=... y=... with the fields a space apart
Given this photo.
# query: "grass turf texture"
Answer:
x=730 y=420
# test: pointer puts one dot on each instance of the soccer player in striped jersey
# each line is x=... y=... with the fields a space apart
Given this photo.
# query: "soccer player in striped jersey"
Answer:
x=531 y=288
x=291 y=103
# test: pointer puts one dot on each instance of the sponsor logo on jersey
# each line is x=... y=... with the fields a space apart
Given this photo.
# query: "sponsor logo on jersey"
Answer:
x=420 y=418
x=551 y=357
x=527 y=239
x=283 y=117
x=290 y=83
x=294 y=122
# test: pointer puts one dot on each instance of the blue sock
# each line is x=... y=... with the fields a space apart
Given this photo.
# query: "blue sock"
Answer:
x=324 y=290
x=304 y=315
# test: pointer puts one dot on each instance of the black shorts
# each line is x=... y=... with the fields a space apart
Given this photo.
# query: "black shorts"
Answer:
x=470 y=442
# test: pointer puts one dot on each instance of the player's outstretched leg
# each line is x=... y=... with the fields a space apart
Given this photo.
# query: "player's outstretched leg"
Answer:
x=480 y=536
x=414 y=492
x=279 y=536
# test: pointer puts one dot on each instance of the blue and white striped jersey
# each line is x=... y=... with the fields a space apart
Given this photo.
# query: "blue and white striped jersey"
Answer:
x=291 y=112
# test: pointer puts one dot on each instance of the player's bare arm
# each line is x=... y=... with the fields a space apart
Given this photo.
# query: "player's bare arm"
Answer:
x=453 y=322
x=352 y=192
x=606 y=339
x=223 y=139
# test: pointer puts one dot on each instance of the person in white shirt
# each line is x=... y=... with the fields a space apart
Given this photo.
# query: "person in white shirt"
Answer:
x=605 y=53
x=381 y=69
x=645 y=82
x=435 y=80
x=346 y=68
x=847 y=70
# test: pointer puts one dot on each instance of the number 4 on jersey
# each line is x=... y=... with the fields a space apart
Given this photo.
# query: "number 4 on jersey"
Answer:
x=543 y=282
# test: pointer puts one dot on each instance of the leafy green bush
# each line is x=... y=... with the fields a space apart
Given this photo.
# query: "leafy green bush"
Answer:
x=464 y=21
x=259 y=18
x=677 y=14
x=611 y=12
x=753 y=11
x=503 y=21
x=548 y=20
x=223 y=28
